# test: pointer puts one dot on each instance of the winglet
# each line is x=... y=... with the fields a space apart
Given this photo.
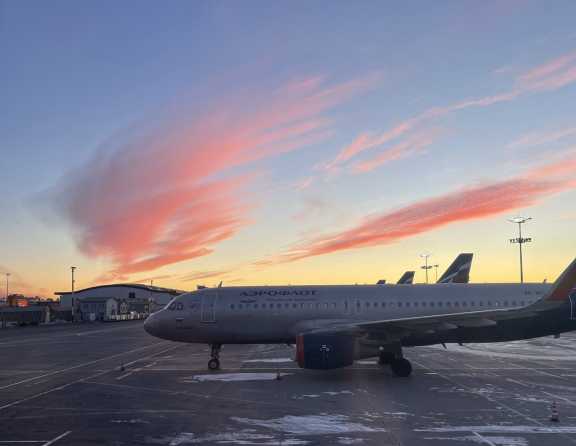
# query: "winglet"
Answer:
x=564 y=285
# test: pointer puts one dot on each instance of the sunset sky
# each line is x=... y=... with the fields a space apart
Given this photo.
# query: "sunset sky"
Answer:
x=191 y=142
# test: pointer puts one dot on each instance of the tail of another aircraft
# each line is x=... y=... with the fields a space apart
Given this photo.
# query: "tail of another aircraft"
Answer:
x=407 y=278
x=459 y=271
x=562 y=291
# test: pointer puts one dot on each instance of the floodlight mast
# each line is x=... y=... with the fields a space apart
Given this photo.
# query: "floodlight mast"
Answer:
x=7 y=279
x=426 y=267
x=72 y=269
x=520 y=240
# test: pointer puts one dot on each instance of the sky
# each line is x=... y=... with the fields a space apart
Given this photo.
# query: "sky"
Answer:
x=258 y=142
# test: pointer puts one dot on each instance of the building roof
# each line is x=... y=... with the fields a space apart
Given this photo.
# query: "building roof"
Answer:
x=95 y=299
x=153 y=289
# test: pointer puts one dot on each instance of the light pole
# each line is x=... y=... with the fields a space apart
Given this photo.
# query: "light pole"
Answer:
x=436 y=271
x=7 y=277
x=72 y=269
x=426 y=267
x=520 y=240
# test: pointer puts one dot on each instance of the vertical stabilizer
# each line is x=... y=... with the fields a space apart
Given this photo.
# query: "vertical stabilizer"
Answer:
x=407 y=278
x=459 y=271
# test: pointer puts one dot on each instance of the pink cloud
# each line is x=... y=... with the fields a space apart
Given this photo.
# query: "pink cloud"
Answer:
x=470 y=203
x=542 y=138
x=199 y=275
x=170 y=194
x=548 y=76
x=547 y=71
x=412 y=145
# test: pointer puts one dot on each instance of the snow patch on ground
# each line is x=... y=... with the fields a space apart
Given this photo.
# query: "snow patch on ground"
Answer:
x=310 y=425
x=270 y=360
x=342 y=392
x=238 y=438
x=132 y=421
x=234 y=377
x=348 y=440
x=496 y=441
x=504 y=429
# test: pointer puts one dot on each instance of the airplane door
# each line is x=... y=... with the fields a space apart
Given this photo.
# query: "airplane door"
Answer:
x=208 y=306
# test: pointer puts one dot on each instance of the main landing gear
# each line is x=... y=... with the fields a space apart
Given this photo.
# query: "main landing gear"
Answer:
x=400 y=366
x=214 y=363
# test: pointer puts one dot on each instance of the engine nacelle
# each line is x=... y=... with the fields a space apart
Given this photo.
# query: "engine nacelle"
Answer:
x=324 y=351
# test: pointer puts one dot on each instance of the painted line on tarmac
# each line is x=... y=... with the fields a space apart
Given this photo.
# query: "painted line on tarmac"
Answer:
x=483 y=439
x=491 y=400
x=59 y=437
x=55 y=336
x=56 y=372
x=85 y=379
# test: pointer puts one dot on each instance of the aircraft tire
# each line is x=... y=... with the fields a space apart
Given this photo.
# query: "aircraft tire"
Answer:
x=214 y=364
x=401 y=367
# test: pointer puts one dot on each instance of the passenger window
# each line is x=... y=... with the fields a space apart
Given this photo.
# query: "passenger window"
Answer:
x=286 y=305
x=294 y=305
x=464 y=304
x=448 y=304
x=431 y=304
x=423 y=304
x=255 y=305
x=407 y=304
x=240 y=306
x=231 y=306
x=367 y=304
x=399 y=304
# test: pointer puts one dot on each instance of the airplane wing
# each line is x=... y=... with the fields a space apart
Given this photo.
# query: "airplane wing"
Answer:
x=442 y=322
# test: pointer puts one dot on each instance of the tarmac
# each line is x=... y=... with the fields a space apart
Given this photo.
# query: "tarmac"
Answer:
x=113 y=384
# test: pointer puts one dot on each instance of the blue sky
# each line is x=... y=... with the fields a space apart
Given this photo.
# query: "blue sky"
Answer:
x=79 y=77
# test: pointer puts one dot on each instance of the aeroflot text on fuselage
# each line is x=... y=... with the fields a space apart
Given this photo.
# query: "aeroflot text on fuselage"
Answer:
x=253 y=293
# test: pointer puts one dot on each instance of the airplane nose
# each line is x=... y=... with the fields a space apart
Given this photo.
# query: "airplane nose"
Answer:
x=151 y=324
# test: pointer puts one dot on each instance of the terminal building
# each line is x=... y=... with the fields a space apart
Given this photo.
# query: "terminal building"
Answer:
x=116 y=301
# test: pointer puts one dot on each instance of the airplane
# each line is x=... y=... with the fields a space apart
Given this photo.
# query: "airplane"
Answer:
x=459 y=270
x=334 y=325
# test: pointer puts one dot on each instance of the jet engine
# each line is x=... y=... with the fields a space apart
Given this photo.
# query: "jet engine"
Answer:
x=323 y=351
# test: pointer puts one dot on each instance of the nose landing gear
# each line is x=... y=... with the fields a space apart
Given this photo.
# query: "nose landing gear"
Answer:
x=214 y=363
